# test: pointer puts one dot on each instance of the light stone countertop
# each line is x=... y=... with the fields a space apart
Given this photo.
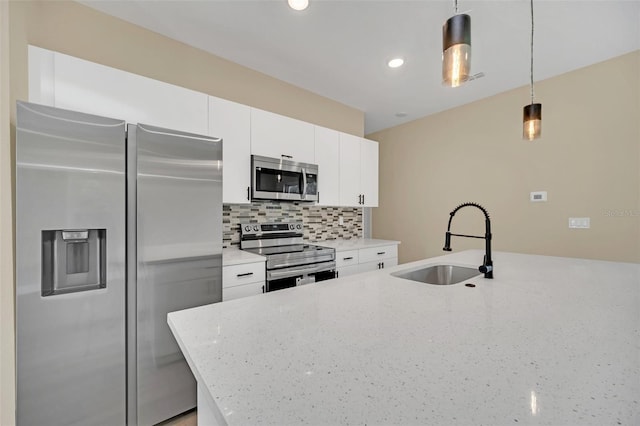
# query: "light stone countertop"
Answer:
x=551 y=341
x=355 y=243
x=235 y=256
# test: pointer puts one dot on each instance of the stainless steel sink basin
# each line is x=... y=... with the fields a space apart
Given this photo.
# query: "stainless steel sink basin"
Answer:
x=439 y=274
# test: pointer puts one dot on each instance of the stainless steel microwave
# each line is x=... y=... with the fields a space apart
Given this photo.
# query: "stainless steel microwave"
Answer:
x=280 y=179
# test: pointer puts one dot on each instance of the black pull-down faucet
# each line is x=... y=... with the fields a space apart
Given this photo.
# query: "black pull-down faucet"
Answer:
x=487 y=267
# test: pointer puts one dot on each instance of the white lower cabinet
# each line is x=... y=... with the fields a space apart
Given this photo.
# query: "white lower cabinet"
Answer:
x=349 y=262
x=378 y=257
x=346 y=263
x=236 y=292
x=246 y=279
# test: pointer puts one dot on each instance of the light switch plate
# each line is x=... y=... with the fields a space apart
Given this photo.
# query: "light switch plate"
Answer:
x=580 y=222
x=538 y=196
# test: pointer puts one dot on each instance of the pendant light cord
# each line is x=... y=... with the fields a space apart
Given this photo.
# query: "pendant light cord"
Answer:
x=455 y=7
x=532 y=52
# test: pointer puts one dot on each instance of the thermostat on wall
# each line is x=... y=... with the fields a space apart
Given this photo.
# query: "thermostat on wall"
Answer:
x=538 y=196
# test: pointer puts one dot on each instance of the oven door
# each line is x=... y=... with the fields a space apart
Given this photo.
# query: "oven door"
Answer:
x=279 y=279
x=273 y=179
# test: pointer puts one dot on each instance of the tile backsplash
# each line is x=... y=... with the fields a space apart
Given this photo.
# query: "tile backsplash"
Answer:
x=320 y=223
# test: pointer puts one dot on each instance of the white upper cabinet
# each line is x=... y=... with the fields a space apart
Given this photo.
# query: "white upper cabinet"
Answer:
x=327 y=157
x=348 y=164
x=358 y=171
x=41 y=76
x=277 y=136
x=350 y=195
x=80 y=85
x=369 y=172
x=231 y=122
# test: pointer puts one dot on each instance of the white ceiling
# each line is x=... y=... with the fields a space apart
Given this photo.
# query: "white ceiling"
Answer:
x=339 y=48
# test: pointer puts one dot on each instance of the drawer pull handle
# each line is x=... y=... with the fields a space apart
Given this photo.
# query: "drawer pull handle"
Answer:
x=245 y=274
x=381 y=252
x=348 y=258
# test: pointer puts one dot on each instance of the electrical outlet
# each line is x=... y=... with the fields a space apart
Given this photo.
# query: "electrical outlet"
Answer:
x=580 y=222
x=538 y=196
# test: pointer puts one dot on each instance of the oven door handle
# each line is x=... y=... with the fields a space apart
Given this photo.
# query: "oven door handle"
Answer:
x=273 y=275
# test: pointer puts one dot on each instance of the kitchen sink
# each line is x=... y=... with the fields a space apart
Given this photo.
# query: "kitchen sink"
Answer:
x=439 y=274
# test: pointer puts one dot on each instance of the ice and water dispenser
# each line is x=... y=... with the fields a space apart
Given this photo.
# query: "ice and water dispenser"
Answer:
x=73 y=260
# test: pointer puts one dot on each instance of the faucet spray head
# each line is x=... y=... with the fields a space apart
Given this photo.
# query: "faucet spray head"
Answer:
x=447 y=241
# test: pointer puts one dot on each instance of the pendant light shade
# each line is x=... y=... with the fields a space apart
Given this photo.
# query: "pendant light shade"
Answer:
x=456 y=50
x=532 y=121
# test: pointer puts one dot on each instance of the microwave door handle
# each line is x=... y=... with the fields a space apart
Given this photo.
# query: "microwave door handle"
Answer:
x=304 y=183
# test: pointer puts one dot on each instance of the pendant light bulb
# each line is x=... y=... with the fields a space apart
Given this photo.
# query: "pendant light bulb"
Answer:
x=532 y=121
x=456 y=50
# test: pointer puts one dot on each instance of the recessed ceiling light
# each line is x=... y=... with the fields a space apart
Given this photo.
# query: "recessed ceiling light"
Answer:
x=298 y=4
x=395 y=63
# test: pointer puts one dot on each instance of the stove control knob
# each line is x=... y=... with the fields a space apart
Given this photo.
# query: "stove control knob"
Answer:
x=256 y=228
x=299 y=226
x=291 y=226
x=247 y=228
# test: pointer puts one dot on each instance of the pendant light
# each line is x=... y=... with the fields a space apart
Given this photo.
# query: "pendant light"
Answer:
x=456 y=49
x=532 y=113
x=298 y=4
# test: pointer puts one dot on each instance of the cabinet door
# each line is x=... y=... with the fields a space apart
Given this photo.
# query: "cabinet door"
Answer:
x=369 y=172
x=345 y=271
x=231 y=122
x=236 y=292
x=277 y=136
x=41 y=76
x=327 y=157
x=370 y=266
x=388 y=263
x=97 y=89
x=350 y=171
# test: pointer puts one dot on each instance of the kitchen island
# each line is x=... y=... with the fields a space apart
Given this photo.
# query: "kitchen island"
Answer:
x=550 y=340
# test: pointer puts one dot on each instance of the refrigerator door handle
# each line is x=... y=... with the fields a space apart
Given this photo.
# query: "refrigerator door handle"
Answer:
x=176 y=133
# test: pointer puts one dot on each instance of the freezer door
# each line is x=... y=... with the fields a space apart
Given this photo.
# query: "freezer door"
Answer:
x=177 y=191
x=70 y=268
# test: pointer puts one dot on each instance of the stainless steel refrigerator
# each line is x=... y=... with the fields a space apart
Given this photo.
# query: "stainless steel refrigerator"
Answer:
x=116 y=225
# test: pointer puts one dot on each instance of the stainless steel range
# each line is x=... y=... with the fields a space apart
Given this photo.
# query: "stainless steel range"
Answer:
x=290 y=262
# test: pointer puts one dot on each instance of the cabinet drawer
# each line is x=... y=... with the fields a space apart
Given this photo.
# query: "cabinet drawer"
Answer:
x=245 y=273
x=346 y=258
x=244 y=290
x=378 y=253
